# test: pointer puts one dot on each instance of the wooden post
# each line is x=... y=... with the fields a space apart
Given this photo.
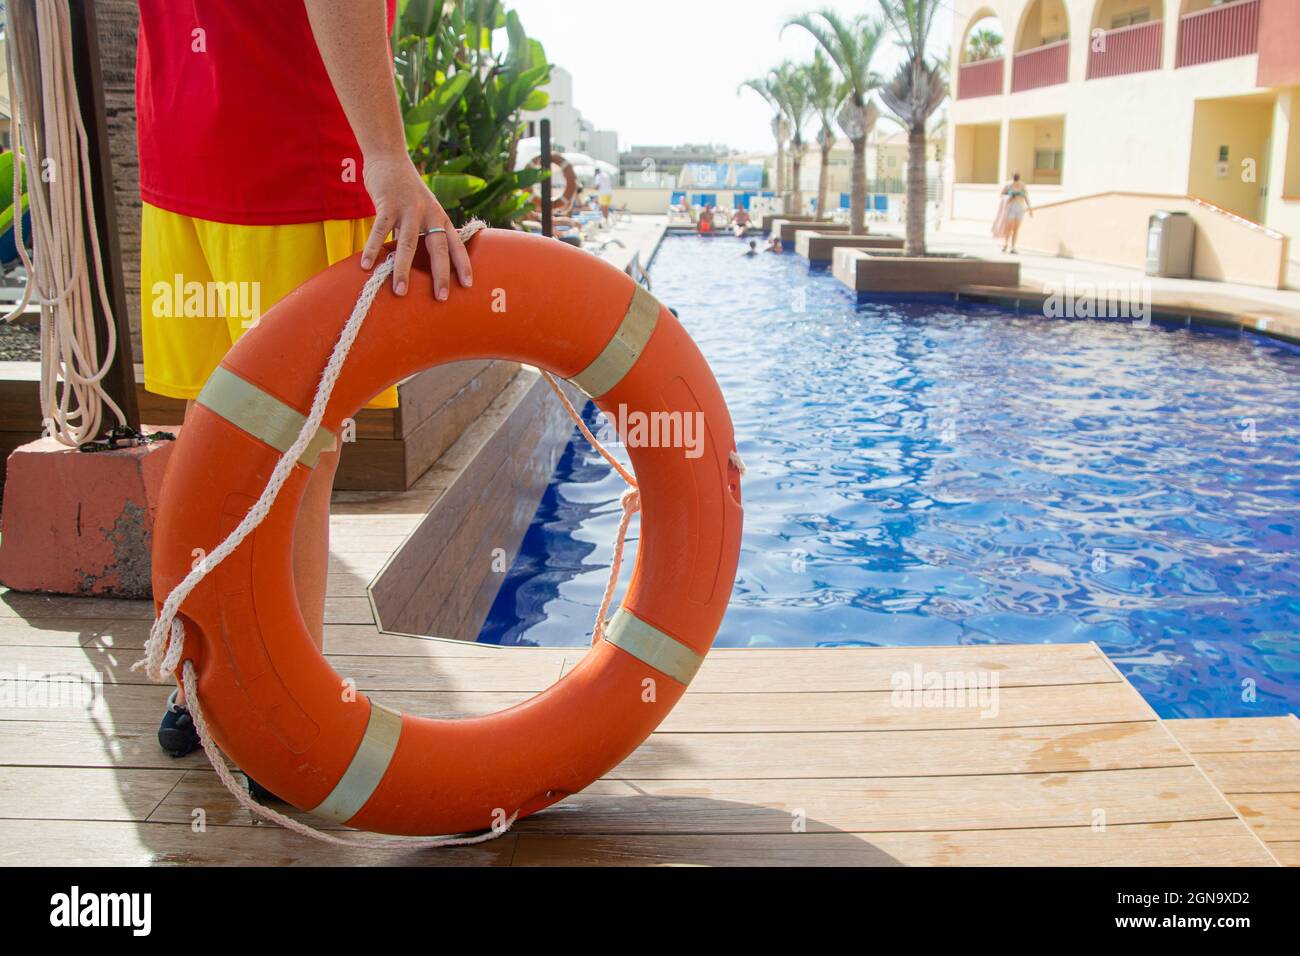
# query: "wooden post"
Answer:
x=119 y=382
x=548 y=227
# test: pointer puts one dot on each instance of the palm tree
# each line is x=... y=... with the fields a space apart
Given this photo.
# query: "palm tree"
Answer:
x=790 y=85
x=850 y=45
x=915 y=92
x=826 y=95
x=983 y=44
x=766 y=88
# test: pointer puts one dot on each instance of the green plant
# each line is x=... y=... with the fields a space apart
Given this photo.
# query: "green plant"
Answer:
x=915 y=92
x=461 y=99
x=7 y=210
x=826 y=96
x=790 y=86
x=983 y=44
x=851 y=45
x=766 y=88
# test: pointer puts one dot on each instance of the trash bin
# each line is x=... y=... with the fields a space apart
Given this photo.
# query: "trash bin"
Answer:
x=1171 y=237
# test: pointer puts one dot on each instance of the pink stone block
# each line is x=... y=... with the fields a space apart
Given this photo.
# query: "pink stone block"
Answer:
x=80 y=523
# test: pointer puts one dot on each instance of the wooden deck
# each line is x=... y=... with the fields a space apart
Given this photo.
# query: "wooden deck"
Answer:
x=773 y=757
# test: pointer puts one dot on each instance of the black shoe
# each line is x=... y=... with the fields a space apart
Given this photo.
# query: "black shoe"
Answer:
x=176 y=733
x=260 y=793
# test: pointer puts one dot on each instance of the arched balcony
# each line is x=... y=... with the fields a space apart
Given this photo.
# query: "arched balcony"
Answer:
x=1209 y=31
x=1127 y=36
x=1042 y=47
x=980 y=58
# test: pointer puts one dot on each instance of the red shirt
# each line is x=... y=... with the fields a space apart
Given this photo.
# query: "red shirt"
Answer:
x=237 y=119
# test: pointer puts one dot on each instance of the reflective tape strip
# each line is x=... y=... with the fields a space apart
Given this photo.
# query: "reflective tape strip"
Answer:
x=368 y=766
x=261 y=414
x=652 y=646
x=618 y=357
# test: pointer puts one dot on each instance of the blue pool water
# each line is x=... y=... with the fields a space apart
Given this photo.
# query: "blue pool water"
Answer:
x=941 y=474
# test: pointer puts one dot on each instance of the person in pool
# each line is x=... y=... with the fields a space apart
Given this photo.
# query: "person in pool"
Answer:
x=1015 y=206
x=774 y=245
x=751 y=251
x=302 y=94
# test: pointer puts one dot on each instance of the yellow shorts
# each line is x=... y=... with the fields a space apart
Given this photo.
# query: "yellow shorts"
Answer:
x=203 y=284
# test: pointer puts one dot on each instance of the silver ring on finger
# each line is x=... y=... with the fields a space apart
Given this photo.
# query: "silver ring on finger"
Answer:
x=435 y=230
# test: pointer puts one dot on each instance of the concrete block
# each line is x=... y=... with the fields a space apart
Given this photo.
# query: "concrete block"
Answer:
x=819 y=246
x=81 y=523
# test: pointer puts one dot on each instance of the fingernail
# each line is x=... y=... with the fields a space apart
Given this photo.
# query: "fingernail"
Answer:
x=467 y=281
x=366 y=262
x=442 y=295
x=400 y=287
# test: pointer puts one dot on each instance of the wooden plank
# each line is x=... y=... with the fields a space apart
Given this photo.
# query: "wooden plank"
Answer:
x=81 y=843
x=71 y=632
x=1273 y=816
x=1237 y=734
x=902 y=753
x=368 y=639
x=80 y=793
x=864 y=669
x=348 y=610
x=347 y=585
x=29 y=606
x=504 y=670
x=66 y=744
x=878 y=804
x=1199 y=843
x=1251 y=772
x=666 y=756
x=137 y=706
x=723 y=672
x=1286 y=853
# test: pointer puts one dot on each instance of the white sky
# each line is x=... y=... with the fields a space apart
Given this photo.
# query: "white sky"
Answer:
x=666 y=71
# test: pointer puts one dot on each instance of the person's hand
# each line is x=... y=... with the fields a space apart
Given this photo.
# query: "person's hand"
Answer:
x=405 y=206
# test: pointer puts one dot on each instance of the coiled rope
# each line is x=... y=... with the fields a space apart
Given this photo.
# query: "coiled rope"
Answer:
x=73 y=399
x=166 y=644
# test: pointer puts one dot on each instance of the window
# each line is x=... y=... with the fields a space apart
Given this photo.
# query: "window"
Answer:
x=1048 y=160
x=1132 y=18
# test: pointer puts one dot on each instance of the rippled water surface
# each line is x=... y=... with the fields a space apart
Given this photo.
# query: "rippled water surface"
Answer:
x=938 y=474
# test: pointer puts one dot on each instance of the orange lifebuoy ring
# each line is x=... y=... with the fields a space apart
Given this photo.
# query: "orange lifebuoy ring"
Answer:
x=564 y=202
x=274 y=704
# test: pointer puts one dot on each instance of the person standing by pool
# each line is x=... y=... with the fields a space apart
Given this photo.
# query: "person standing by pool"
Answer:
x=1011 y=213
x=740 y=222
x=271 y=146
x=605 y=190
x=705 y=225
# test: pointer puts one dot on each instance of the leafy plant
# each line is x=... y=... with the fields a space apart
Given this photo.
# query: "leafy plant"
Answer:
x=790 y=88
x=913 y=95
x=826 y=95
x=851 y=44
x=983 y=44
x=766 y=88
x=461 y=98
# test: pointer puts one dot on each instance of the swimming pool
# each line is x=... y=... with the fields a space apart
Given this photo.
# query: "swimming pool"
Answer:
x=925 y=473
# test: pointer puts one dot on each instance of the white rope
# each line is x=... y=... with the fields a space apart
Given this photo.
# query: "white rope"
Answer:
x=73 y=398
x=165 y=646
